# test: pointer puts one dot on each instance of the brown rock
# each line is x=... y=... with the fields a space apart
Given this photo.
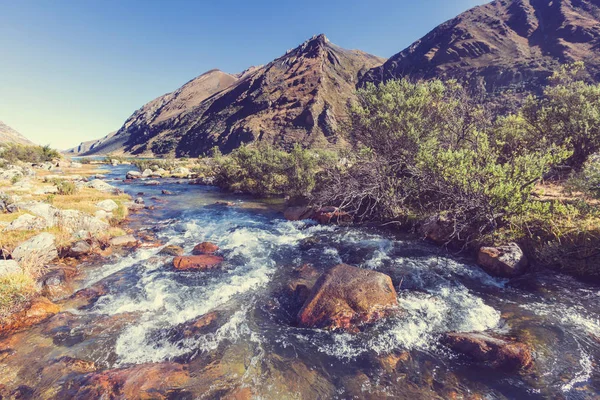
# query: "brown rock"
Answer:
x=346 y=297
x=202 y=322
x=37 y=311
x=500 y=353
x=504 y=261
x=202 y=262
x=172 y=250
x=327 y=215
x=302 y=284
x=145 y=381
x=298 y=213
x=205 y=248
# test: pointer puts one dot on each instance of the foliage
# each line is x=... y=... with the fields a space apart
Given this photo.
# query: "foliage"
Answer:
x=155 y=164
x=66 y=188
x=13 y=153
x=265 y=170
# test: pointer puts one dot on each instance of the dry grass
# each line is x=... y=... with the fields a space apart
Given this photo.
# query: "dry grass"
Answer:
x=15 y=289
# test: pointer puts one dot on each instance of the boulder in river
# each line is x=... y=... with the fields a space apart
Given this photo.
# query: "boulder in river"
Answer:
x=503 y=261
x=205 y=248
x=124 y=241
x=346 y=297
x=171 y=250
x=133 y=175
x=202 y=262
x=37 y=251
x=298 y=213
x=500 y=353
x=152 y=183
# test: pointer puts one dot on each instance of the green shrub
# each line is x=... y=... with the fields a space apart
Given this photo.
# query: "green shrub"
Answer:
x=66 y=188
x=13 y=153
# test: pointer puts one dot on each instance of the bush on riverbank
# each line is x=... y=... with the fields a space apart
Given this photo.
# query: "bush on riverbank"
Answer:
x=12 y=153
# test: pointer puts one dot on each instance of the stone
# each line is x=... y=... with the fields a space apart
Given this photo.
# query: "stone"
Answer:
x=133 y=175
x=171 y=250
x=139 y=200
x=300 y=287
x=9 y=267
x=438 y=229
x=167 y=192
x=500 y=353
x=503 y=261
x=107 y=205
x=327 y=215
x=147 y=173
x=54 y=284
x=27 y=222
x=38 y=310
x=298 y=213
x=203 y=262
x=182 y=171
x=80 y=249
x=75 y=221
x=152 y=183
x=103 y=215
x=205 y=248
x=346 y=297
x=124 y=241
x=101 y=186
x=37 y=251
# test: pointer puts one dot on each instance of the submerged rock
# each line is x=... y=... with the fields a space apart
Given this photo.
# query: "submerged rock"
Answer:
x=205 y=248
x=145 y=381
x=346 y=297
x=500 y=353
x=152 y=183
x=504 y=261
x=202 y=262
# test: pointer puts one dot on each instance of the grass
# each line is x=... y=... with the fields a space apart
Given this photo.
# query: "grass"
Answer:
x=15 y=289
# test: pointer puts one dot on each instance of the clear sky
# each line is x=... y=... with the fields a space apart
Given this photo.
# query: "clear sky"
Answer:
x=74 y=70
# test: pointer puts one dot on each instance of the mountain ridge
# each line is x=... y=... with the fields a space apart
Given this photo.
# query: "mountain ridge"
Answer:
x=10 y=135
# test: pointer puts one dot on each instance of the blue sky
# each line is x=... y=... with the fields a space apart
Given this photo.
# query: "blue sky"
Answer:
x=74 y=70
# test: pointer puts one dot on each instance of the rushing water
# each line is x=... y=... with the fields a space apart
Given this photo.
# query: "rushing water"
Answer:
x=254 y=341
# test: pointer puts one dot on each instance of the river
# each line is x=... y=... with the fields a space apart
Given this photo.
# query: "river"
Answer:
x=253 y=345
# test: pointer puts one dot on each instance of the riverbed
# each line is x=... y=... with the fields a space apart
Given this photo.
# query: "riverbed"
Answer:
x=252 y=346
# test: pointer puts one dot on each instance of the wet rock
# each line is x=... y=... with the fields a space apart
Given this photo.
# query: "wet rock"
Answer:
x=86 y=296
x=139 y=200
x=9 y=267
x=202 y=262
x=152 y=183
x=27 y=222
x=499 y=353
x=107 y=205
x=172 y=250
x=124 y=241
x=205 y=248
x=504 y=261
x=309 y=242
x=298 y=213
x=147 y=173
x=225 y=203
x=199 y=325
x=133 y=175
x=332 y=215
x=36 y=251
x=302 y=284
x=80 y=249
x=66 y=365
x=37 y=311
x=167 y=192
x=438 y=229
x=145 y=381
x=346 y=297
x=54 y=284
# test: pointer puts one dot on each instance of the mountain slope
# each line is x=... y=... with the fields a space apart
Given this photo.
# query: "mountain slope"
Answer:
x=505 y=44
x=9 y=135
x=298 y=98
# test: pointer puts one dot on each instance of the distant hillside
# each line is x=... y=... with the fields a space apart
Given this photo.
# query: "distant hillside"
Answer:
x=9 y=135
x=300 y=97
x=504 y=45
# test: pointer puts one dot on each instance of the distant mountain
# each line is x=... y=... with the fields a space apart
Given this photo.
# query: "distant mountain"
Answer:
x=104 y=145
x=300 y=97
x=9 y=135
x=504 y=45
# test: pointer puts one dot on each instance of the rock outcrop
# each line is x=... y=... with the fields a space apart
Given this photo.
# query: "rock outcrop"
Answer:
x=346 y=297
x=37 y=251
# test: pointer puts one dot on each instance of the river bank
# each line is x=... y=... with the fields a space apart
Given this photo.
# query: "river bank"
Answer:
x=138 y=326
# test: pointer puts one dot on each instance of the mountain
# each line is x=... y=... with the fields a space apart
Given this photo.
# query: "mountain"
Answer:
x=300 y=97
x=504 y=45
x=9 y=135
x=104 y=145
